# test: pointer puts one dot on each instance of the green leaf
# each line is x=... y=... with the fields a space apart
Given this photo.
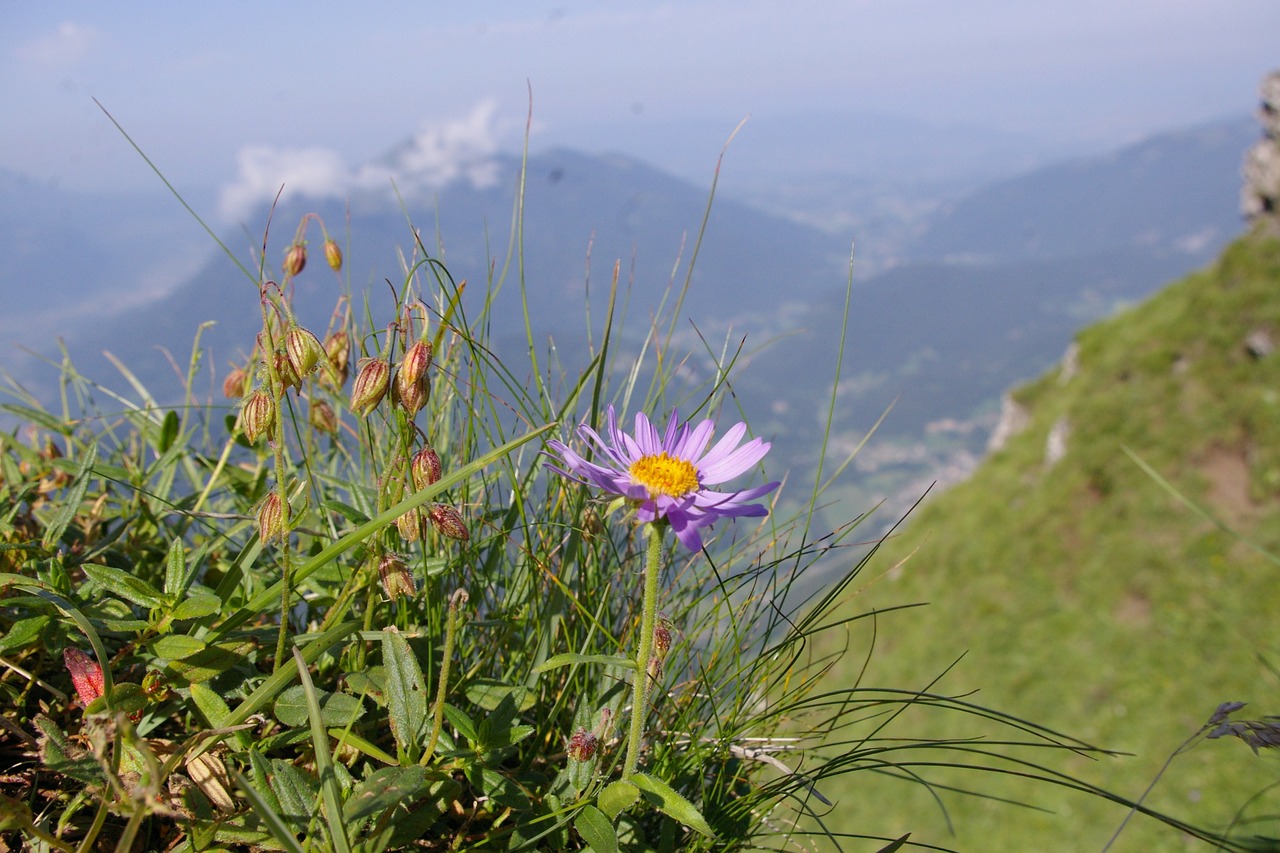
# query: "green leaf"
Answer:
x=177 y=646
x=464 y=724
x=36 y=416
x=211 y=661
x=671 y=803
x=568 y=659
x=616 y=797
x=385 y=789
x=168 y=431
x=197 y=606
x=336 y=709
x=489 y=694
x=406 y=694
x=296 y=791
x=596 y=829
x=896 y=844
x=22 y=632
x=71 y=501
x=269 y=815
x=126 y=586
x=175 y=573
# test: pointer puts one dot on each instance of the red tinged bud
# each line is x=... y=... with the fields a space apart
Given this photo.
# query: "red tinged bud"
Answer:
x=333 y=255
x=295 y=258
x=257 y=416
x=425 y=468
x=448 y=522
x=370 y=386
x=86 y=675
x=583 y=745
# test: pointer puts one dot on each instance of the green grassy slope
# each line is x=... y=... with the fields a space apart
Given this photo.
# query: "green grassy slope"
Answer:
x=1088 y=598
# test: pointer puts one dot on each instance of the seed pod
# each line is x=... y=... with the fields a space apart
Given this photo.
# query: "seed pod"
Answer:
x=271 y=518
x=284 y=370
x=333 y=255
x=396 y=578
x=338 y=351
x=411 y=396
x=295 y=258
x=257 y=416
x=425 y=468
x=303 y=350
x=410 y=525
x=322 y=418
x=155 y=686
x=416 y=361
x=370 y=386
x=448 y=522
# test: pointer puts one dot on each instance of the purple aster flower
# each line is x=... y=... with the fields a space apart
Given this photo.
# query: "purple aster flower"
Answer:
x=666 y=476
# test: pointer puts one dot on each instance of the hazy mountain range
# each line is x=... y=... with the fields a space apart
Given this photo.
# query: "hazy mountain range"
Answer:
x=972 y=294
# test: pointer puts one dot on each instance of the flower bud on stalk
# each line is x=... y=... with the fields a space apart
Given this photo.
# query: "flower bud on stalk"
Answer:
x=333 y=255
x=425 y=468
x=257 y=416
x=235 y=384
x=448 y=522
x=270 y=518
x=303 y=350
x=295 y=258
x=322 y=418
x=396 y=579
x=370 y=386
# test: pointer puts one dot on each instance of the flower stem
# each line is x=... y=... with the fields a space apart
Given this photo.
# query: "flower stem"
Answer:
x=648 y=620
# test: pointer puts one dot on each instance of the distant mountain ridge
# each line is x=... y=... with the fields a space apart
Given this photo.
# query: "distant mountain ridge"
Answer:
x=942 y=338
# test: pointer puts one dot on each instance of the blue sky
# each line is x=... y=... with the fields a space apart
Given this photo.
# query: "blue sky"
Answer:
x=211 y=90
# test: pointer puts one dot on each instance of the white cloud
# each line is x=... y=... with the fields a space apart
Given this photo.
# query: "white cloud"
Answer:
x=65 y=46
x=437 y=155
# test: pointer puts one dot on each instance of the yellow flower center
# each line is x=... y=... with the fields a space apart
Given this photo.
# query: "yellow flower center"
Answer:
x=663 y=474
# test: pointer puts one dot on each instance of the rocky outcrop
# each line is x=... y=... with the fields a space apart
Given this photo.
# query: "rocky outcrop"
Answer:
x=1260 y=197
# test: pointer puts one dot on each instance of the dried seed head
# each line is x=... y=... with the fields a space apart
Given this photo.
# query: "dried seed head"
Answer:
x=322 y=418
x=396 y=578
x=257 y=416
x=236 y=384
x=333 y=255
x=86 y=674
x=582 y=746
x=425 y=468
x=295 y=258
x=370 y=386
x=271 y=518
x=448 y=522
x=303 y=350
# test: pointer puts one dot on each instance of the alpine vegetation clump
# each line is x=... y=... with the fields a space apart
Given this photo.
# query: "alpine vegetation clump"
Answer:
x=378 y=602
